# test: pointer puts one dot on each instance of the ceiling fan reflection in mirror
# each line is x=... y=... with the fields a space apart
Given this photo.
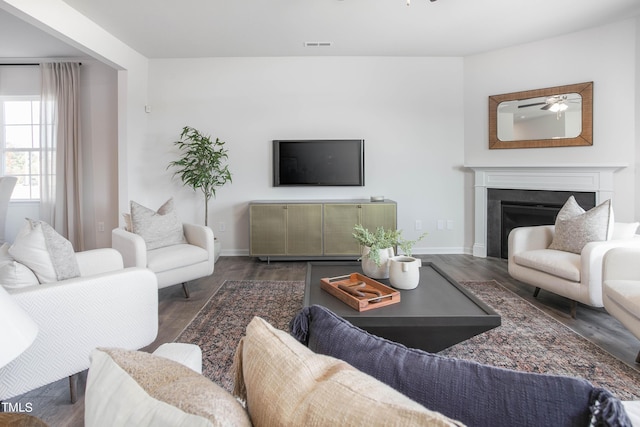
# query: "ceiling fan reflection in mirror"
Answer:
x=555 y=103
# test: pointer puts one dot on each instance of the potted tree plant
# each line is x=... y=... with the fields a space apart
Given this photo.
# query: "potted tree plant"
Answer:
x=202 y=164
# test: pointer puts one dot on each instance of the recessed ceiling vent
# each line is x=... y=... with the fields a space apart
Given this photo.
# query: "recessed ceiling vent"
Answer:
x=317 y=44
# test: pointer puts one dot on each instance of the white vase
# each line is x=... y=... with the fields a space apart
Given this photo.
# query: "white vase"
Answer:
x=404 y=272
x=370 y=269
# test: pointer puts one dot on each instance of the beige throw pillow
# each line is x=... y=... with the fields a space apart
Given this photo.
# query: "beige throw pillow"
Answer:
x=286 y=384
x=133 y=388
x=158 y=228
x=575 y=228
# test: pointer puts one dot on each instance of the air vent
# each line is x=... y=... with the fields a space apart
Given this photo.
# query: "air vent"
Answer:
x=317 y=44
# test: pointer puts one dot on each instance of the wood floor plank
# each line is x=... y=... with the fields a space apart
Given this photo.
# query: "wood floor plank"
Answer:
x=51 y=402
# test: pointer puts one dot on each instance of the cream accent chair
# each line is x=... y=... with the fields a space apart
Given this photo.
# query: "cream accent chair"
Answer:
x=172 y=264
x=621 y=288
x=574 y=276
x=107 y=306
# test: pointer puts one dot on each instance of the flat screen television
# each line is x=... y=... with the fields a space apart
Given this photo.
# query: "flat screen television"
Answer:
x=326 y=162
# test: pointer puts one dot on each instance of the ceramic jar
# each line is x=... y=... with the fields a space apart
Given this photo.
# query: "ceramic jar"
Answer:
x=370 y=269
x=404 y=272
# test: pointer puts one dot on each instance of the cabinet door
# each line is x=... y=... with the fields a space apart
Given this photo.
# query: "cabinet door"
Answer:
x=376 y=215
x=339 y=220
x=304 y=229
x=267 y=229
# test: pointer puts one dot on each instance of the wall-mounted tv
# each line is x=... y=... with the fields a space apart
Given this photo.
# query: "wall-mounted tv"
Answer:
x=319 y=162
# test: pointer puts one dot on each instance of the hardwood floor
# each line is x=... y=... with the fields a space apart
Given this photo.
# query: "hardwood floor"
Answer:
x=51 y=402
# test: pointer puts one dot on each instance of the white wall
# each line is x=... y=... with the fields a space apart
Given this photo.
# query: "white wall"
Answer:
x=604 y=55
x=409 y=111
x=99 y=130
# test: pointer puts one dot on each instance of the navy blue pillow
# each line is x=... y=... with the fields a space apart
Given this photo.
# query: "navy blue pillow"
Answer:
x=475 y=394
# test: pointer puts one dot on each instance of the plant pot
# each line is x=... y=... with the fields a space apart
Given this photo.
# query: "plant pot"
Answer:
x=404 y=272
x=369 y=267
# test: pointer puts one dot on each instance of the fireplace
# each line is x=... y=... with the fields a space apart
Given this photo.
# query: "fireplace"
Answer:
x=511 y=208
x=594 y=181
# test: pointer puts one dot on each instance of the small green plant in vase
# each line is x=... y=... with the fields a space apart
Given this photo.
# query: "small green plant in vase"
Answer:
x=383 y=239
x=376 y=241
x=406 y=246
x=379 y=248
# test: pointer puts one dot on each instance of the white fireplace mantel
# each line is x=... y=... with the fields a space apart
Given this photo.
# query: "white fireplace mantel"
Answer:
x=596 y=178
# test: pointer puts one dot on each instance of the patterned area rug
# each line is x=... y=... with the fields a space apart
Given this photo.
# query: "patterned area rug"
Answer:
x=218 y=327
x=531 y=340
x=528 y=340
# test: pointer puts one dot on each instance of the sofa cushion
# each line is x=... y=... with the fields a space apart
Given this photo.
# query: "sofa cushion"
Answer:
x=158 y=228
x=574 y=227
x=49 y=255
x=174 y=256
x=286 y=384
x=475 y=394
x=557 y=263
x=133 y=388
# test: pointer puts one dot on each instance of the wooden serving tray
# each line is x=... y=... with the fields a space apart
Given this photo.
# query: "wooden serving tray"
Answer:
x=336 y=286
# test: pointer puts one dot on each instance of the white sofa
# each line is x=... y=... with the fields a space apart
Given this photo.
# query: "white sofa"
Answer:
x=574 y=276
x=173 y=264
x=107 y=306
x=621 y=288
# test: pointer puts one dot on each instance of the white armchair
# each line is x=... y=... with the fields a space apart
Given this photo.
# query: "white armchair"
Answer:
x=574 y=276
x=621 y=288
x=173 y=264
x=107 y=306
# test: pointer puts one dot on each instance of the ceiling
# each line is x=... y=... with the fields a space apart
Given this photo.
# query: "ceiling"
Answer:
x=19 y=39
x=210 y=28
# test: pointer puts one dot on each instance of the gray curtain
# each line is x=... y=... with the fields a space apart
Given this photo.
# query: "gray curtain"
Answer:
x=60 y=161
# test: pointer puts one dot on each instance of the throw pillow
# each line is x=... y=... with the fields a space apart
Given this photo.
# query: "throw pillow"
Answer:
x=49 y=255
x=575 y=228
x=12 y=273
x=286 y=384
x=475 y=394
x=158 y=228
x=133 y=388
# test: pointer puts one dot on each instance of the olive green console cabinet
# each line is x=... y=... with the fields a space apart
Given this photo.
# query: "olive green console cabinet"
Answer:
x=317 y=229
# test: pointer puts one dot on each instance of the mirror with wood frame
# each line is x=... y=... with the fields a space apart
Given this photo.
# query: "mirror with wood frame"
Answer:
x=558 y=116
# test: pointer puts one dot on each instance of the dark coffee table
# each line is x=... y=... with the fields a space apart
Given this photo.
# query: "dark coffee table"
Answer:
x=437 y=314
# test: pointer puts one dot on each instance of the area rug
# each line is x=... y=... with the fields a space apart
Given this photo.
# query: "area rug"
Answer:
x=220 y=324
x=528 y=339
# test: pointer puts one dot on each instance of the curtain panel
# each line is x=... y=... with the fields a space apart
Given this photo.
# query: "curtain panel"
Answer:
x=60 y=156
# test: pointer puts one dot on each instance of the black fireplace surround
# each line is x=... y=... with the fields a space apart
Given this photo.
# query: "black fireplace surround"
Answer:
x=511 y=208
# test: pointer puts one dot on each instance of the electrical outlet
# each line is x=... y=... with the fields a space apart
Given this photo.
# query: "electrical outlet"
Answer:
x=418 y=224
x=441 y=224
x=101 y=226
x=222 y=227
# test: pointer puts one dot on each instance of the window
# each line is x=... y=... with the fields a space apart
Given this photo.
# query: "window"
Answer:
x=20 y=144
